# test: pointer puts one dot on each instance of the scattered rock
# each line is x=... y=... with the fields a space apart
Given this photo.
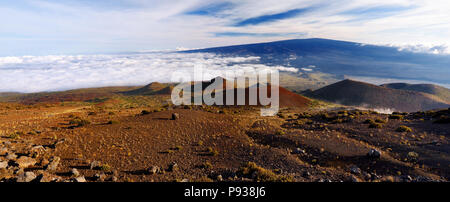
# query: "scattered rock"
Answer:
x=153 y=170
x=3 y=164
x=306 y=174
x=74 y=172
x=299 y=151
x=374 y=154
x=79 y=179
x=11 y=156
x=367 y=176
x=184 y=180
x=355 y=170
x=3 y=151
x=53 y=165
x=354 y=179
x=38 y=149
x=100 y=177
x=25 y=162
x=60 y=142
x=114 y=179
x=45 y=162
x=95 y=165
x=47 y=177
x=423 y=179
x=6 y=174
x=173 y=166
x=406 y=178
x=26 y=177
x=324 y=180
x=374 y=176
x=18 y=170
x=175 y=116
x=219 y=178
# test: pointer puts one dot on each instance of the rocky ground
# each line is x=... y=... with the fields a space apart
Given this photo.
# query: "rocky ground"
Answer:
x=81 y=142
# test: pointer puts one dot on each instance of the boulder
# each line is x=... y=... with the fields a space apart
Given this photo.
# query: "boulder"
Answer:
x=11 y=156
x=3 y=150
x=175 y=116
x=74 y=172
x=53 y=165
x=100 y=177
x=173 y=166
x=26 y=177
x=153 y=170
x=374 y=154
x=355 y=170
x=25 y=162
x=3 y=164
x=79 y=179
x=95 y=165
x=47 y=177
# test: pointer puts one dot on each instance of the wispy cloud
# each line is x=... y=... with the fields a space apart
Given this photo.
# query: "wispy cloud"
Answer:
x=240 y=34
x=272 y=17
x=213 y=9
x=42 y=27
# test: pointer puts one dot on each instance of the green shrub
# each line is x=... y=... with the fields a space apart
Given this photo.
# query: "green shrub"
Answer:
x=368 y=121
x=304 y=121
x=259 y=174
x=212 y=152
x=403 y=129
x=375 y=125
x=396 y=116
x=79 y=122
x=105 y=167
x=304 y=115
x=337 y=121
x=207 y=165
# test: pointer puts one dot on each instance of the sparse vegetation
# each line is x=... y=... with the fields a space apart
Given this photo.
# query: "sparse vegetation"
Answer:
x=376 y=125
x=105 y=167
x=207 y=165
x=79 y=122
x=15 y=135
x=412 y=157
x=403 y=129
x=112 y=122
x=380 y=120
x=259 y=174
x=396 y=116
x=304 y=121
x=369 y=121
x=212 y=152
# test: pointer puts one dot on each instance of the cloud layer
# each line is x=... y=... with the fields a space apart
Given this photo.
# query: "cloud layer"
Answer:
x=50 y=73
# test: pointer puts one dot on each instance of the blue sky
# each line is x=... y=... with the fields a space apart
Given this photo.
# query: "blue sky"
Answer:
x=43 y=27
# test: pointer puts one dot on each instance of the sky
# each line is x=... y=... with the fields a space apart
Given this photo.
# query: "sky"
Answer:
x=53 y=27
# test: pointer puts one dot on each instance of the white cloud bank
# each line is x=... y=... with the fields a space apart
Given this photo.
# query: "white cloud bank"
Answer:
x=51 y=73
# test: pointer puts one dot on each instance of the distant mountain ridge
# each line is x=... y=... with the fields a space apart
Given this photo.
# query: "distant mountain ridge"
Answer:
x=438 y=91
x=344 y=58
x=154 y=88
x=355 y=93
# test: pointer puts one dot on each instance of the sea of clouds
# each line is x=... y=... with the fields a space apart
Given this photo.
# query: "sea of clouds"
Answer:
x=62 y=72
